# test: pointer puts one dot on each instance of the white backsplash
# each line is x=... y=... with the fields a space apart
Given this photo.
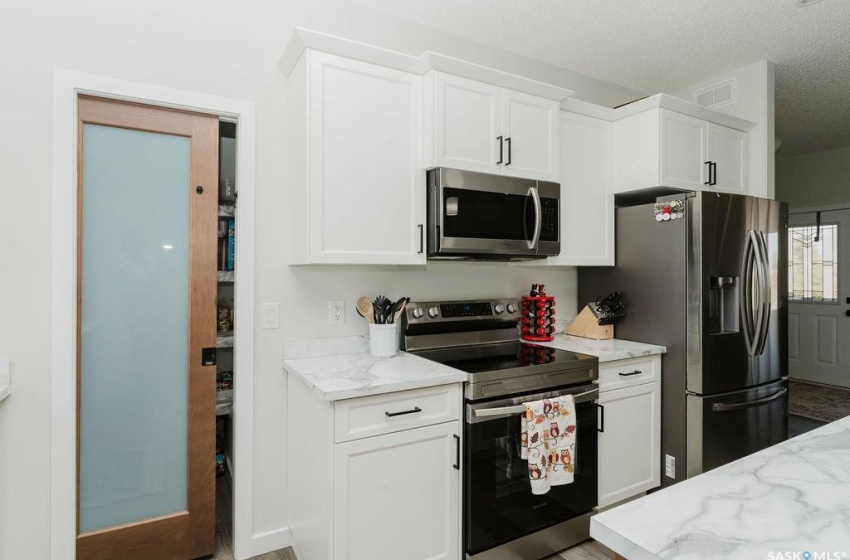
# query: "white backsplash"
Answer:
x=308 y=289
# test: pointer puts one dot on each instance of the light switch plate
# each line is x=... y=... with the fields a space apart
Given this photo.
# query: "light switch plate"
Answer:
x=270 y=316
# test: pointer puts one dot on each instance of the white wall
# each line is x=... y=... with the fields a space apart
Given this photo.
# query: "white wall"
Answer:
x=755 y=102
x=812 y=180
x=228 y=48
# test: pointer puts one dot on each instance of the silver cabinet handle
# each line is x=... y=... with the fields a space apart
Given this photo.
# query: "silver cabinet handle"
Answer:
x=724 y=407
x=538 y=217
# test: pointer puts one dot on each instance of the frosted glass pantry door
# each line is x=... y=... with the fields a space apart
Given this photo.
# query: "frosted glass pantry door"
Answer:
x=147 y=308
x=135 y=326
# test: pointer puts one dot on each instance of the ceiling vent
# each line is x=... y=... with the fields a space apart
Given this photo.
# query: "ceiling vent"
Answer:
x=717 y=95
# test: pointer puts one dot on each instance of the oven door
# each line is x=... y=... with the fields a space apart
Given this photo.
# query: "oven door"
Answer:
x=498 y=505
x=479 y=214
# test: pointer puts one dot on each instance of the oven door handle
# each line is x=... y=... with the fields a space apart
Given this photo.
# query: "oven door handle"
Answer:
x=593 y=394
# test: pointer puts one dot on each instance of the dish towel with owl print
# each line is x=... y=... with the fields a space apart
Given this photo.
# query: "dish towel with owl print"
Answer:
x=548 y=441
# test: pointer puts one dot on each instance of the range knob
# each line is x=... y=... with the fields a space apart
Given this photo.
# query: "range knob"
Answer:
x=511 y=308
x=433 y=311
x=417 y=313
x=499 y=308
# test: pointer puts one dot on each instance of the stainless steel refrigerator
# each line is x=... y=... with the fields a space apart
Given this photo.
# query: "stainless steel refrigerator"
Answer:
x=705 y=274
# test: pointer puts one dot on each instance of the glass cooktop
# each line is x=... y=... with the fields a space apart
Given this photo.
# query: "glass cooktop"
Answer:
x=502 y=356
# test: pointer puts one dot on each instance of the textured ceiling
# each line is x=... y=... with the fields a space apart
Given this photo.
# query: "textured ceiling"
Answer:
x=667 y=45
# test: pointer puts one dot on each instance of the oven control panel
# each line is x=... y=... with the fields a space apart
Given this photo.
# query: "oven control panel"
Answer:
x=451 y=311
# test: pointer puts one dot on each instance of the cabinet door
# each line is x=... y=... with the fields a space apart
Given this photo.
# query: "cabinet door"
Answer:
x=397 y=496
x=629 y=445
x=366 y=180
x=530 y=127
x=467 y=122
x=683 y=153
x=727 y=148
x=587 y=198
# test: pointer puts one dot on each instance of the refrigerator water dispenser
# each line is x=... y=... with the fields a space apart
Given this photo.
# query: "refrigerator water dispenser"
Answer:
x=723 y=302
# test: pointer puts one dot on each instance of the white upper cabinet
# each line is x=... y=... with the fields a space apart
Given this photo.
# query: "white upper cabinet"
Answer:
x=475 y=126
x=587 y=198
x=727 y=150
x=682 y=151
x=530 y=128
x=660 y=147
x=469 y=122
x=355 y=145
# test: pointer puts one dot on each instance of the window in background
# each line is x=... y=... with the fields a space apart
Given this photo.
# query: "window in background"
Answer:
x=813 y=265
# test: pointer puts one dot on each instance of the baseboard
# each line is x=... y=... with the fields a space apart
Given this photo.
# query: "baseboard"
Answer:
x=266 y=542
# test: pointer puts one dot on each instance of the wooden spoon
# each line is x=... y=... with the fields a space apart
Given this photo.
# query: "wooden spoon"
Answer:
x=364 y=307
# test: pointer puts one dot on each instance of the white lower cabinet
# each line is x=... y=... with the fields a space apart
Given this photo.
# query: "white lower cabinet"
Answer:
x=396 y=496
x=630 y=440
x=375 y=477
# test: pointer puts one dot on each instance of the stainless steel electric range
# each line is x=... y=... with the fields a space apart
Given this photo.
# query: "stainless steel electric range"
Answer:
x=502 y=519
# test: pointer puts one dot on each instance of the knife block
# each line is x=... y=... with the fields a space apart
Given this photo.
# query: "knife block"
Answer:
x=586 y=325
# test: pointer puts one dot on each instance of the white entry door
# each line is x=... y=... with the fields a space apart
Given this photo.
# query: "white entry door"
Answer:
x=819 y=288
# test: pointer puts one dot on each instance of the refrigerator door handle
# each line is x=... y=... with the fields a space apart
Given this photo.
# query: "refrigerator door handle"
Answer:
x=755 y=303
x=764 y=303
x=747 y=296
x=724 y=407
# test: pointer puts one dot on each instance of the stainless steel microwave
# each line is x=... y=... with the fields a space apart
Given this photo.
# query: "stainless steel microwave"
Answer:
x=479 y=216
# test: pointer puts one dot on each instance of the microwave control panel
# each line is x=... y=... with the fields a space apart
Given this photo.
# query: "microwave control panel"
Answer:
x=549 y=220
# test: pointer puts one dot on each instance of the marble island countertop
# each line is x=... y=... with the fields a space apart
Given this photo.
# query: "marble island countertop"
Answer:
x=605 y=350
x=789 y=499
x=342 y=368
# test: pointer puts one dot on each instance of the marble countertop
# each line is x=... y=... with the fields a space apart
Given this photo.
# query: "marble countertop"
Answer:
x=792 y=498
x=342 y=368
x=605 y=350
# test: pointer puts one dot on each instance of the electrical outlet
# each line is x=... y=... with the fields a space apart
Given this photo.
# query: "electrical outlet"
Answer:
x=670 y=466
x=336 y=312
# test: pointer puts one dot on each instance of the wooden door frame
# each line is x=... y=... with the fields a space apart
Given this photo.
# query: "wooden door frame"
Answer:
x=67 y=86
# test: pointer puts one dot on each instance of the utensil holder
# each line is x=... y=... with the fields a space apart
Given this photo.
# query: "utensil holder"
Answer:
x=538 y=318
x=383 y=340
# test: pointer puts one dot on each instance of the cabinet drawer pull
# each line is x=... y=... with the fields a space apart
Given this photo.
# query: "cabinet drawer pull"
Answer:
x=635 y=372
x=421 y=239
x=708 y=163
x=501 y=149
x=508 y=140
x=456 y=466
x=412 y=411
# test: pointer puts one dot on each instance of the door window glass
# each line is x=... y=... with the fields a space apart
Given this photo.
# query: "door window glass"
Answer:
x=813 y=263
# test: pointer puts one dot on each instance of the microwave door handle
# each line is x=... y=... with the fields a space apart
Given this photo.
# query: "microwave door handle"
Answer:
x=535 y=239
